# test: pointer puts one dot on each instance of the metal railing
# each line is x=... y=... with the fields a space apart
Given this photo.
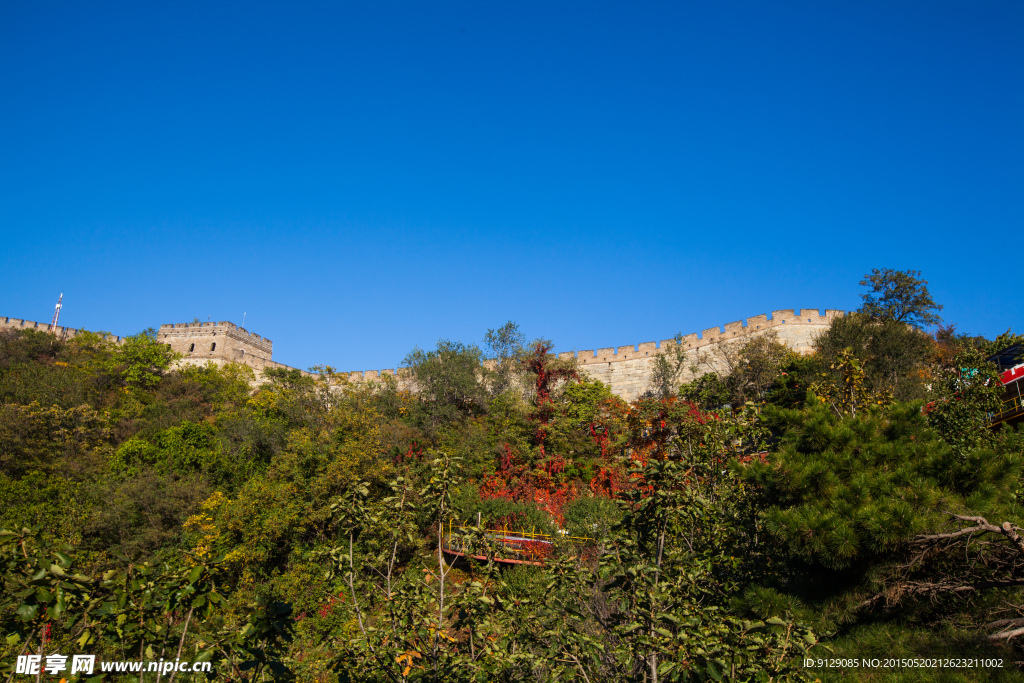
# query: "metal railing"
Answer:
x=1011 y=407
x=517 y=546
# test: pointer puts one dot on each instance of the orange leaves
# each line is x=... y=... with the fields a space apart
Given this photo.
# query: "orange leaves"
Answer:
x=494 y=486
x=605 y=483
x=407 y=658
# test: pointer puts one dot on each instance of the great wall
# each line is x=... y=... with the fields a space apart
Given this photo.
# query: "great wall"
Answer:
x=625 y=369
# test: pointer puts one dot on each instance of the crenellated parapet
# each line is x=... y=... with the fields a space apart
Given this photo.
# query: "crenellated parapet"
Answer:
x=796 y=330
x=58 y=331
x=198 y=343
x=627 y=370
x=216 y=341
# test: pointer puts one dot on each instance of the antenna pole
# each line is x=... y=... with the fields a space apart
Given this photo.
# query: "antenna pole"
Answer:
x=56 y=315
x=243 y=319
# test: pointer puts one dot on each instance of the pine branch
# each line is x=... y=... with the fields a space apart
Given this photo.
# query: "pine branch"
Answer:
x=981 y=525
x=897 y=592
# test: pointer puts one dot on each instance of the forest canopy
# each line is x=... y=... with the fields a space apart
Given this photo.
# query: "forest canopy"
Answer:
x=856 y=502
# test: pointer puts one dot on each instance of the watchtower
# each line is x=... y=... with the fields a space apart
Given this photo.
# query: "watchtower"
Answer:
x=219 y=342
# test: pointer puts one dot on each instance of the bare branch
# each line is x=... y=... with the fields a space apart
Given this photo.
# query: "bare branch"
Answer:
x=981 y=525
x=1005 y=623
x=1010 y=532
x=352 y=589
x=23 y=647
x=898 y=591
x=931 y=538
x=1006 y=635
x=181 y=642
x=578 y=665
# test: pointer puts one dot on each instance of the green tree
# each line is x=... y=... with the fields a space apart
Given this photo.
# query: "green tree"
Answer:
x=142 y=359
x=842 y=488
x=506 y=350
x=708 y=392
x=901 y=296
x=760 y=364
x=894 y=356
x=449 y=380
x=738 y=373
x=668 y=587
x=964 y=398
x=150 y=611
x=668 y=367
x=860 y=504
x=844 y=387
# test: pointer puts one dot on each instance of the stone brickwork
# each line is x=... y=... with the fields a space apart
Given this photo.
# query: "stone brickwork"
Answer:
x=59 y=332
x=224 y=342
x=626 y=370
x=198 y=343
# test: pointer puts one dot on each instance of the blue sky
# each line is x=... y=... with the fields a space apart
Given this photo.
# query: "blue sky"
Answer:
x=362 y=178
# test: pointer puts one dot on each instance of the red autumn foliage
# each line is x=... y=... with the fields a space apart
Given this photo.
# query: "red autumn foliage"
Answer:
x=506 y=458
x=762 y=456
x=328 y=606
x=534 y=550
x=605 y=483
x=515 y=480
x=520 y=486
x=415 y=452
x=493 y=487
x=546 y=377
x=600 y=438
x=554 y=465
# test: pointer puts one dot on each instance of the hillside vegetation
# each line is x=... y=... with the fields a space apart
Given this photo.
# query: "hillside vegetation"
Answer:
x=850 y=504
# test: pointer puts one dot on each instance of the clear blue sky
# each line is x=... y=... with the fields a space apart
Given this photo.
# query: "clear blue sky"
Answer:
x=361 y=178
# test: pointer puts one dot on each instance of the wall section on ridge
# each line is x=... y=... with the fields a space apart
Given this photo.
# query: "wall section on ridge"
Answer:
x=58 y=331
x=627 y=370
x=223 y=341
x=198 y=343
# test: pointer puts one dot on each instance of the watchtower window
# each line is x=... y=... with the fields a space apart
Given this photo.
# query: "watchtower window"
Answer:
x=191 y=348
x=213 y=346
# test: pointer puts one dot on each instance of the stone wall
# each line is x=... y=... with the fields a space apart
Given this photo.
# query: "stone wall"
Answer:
x=223 y=341
x=198 y=343
x=59 y=332
x=626 y=369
